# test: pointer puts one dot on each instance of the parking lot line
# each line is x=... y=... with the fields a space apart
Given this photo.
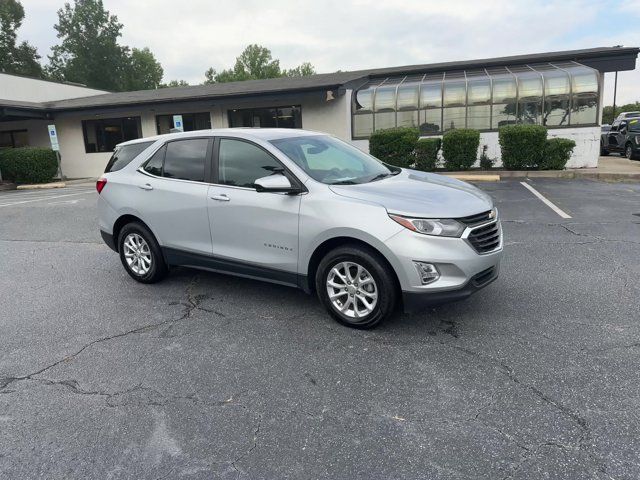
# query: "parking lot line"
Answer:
x=40 y=199
x=546 y=201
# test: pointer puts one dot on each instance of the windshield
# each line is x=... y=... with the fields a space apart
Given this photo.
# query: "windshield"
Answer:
x=332 y=161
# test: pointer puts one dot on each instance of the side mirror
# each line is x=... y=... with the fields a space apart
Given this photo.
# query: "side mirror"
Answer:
x=275 y=183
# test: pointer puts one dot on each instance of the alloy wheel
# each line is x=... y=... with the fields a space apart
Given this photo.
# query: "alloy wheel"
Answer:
x=628 y=152
x=137 y=254
x=352 y=290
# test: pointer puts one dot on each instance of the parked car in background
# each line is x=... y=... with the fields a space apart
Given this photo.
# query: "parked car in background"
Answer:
x=605 y=128
x=623 y=137
x=303 y=209
x=623 y=115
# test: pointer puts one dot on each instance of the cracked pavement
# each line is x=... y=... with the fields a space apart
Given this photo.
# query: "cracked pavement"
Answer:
x=211 y=376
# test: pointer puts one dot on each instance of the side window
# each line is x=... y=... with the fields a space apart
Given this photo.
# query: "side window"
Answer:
x=154 y=164
x=185 y=159
x=124 y=155
x=241 y=163
x=634 y=126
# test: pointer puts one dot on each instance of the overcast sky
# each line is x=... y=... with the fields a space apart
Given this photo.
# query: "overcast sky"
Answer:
x=189 y=36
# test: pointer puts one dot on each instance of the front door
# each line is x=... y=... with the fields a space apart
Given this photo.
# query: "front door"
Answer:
x=253 y=230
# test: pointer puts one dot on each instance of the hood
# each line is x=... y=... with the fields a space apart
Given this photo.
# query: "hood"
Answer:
x=419 y=194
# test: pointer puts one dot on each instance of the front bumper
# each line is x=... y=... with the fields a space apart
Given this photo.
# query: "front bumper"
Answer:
x=416 y=301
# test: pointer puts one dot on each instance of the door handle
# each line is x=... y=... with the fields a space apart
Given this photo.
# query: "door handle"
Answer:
x=146 y=186
x=221 y=198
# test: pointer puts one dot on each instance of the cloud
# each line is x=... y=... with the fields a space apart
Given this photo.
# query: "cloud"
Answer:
x=188 y=37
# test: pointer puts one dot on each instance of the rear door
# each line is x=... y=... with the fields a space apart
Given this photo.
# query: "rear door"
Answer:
x=250 y=229
x=171 y=194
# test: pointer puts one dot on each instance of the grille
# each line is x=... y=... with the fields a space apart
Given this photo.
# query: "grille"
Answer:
x=483 y=277
x=477 y=219
x=485 y=239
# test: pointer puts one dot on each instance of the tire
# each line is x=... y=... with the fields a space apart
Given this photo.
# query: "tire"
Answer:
x=147 y=265
x=628 y=152
x=379 y=291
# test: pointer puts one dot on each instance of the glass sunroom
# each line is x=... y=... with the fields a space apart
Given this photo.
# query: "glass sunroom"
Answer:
x=551 y=94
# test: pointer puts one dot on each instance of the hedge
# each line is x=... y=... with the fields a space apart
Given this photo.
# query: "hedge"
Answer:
x=426 y=153
x=28 y=164
x=460 y=148
x=522 y=146
x=557 y=152
x=394 y=146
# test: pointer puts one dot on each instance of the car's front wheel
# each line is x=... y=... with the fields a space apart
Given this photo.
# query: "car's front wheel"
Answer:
x=628 y=152
x=356 y=286
x=140 y=253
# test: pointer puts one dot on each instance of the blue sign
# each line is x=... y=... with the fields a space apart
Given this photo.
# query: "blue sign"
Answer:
x=177 y=123
x=53 y=138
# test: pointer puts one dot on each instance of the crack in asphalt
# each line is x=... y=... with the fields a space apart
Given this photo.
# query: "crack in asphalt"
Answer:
x=256 y=432
x=191 y=304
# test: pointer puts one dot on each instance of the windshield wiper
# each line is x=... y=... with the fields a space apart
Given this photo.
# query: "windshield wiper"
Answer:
x=380 y=176
x=344 y=182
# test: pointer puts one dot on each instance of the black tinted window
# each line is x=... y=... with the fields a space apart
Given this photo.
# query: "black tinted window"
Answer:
x=241 y=163
x=185 y=159
x=123 y=156
x=634 y=125
x=154 y=164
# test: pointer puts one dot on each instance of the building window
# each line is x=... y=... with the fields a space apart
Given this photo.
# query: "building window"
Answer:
x=190 y=122
x=271 y=117
x=554 y=95
x=14 y=139
x=104 y=134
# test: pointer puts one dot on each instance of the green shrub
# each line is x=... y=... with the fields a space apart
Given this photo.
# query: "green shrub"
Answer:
x=522 y=146
x=460 y=148
x=394 y=146
x=486 y=163
x=426 y=154
x=557 y=152
x=28 y=164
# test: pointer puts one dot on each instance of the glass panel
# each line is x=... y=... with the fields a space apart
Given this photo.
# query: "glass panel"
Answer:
x=479 y=91
x=240 y=118
x=385 y=99
x=385 y=120
x=185 y=159
x=455 y=92
x=453 y=117
x=364 y=100
x=503 y=114
x=289 y=117
x=242 y=163
x=408 y=97
x=407 y=118
x=123 y=156
x=431 y=95
x=478 y=117
x=584 y=104
x=6 y=140
x=529 y=97
x=104 y=134
x=430 y=121
x=154 y=164
x=20 y=138
x=556 y=100
x=362 y=125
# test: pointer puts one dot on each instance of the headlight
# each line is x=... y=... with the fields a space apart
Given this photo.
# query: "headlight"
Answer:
x=442 y=227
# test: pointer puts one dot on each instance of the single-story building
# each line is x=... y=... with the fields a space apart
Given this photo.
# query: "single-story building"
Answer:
x=561 y=90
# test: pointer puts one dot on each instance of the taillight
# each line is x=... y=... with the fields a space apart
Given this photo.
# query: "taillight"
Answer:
x=100 y=184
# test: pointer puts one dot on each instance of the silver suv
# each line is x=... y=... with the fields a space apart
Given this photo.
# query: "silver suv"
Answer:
x=298 y=208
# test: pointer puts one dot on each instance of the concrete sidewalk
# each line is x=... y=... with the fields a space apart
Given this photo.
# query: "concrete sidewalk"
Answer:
x=612 y=168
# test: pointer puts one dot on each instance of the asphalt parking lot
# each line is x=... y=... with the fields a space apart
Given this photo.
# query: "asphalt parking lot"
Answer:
x=209 y=376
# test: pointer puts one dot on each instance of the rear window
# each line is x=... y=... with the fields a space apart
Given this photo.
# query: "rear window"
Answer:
x=123 y=155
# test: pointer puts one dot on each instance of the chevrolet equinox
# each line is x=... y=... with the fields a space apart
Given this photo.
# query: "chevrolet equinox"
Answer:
x=298 y=208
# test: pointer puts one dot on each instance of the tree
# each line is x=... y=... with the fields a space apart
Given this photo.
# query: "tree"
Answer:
x=21 y=59
x=89 y=51
x=255 y=62
x=607 y=112
x=174 y=83
x=144 y=72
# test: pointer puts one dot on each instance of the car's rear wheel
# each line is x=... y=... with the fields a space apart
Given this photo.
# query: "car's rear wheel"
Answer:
x=356 y=286
x=140 y=253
